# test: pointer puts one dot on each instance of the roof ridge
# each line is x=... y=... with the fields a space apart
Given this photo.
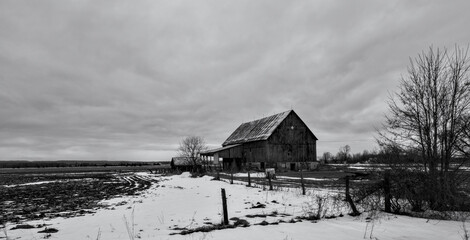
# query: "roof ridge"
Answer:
x=266 y=118
x=270 y=116
x=258 y=129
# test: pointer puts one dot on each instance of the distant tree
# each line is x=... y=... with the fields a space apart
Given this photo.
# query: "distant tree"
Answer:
x=326 y=157
x=430 y=116
x=357 y=157
x=344 y=153
x=191 y=148
x=366 y=153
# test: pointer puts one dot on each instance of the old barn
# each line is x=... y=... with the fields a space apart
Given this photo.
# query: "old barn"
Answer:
x=282 y=141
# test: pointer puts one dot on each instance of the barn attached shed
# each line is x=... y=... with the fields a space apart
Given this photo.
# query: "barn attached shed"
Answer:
x=184 y=164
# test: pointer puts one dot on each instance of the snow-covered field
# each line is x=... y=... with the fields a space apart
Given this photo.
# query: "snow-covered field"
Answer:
x=179 y=202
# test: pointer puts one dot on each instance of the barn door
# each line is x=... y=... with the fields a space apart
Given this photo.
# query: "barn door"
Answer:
x=292 y=166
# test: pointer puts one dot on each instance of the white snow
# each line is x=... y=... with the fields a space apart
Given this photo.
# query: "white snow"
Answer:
x=182 y=201
x=313 y=179
x=253 y=175
x=263 y=175
x=45 y=182
x=26 y=184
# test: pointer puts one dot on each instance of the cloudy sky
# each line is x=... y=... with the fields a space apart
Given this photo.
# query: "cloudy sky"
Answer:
x=127 y=80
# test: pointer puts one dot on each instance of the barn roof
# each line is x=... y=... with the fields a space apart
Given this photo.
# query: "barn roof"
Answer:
x=256 y=130
x=212 y=151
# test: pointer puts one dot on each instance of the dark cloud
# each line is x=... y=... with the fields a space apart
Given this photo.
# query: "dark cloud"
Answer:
x=122 y=80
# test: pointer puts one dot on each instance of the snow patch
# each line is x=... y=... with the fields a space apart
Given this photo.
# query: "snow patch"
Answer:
x=28 y=184
x=185 y=175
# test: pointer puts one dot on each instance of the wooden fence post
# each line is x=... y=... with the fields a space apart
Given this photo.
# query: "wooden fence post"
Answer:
x=270 y=183
x=302 y=182
x=349 y=199
x=231 y=177
x=224 y=206
x=388 y=205
x=249 y=179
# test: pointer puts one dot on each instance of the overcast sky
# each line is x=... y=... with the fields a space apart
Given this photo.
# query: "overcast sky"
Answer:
x=127 y=80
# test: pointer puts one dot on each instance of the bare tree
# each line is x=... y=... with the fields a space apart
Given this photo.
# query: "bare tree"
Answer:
x=326 y=157
x=190 y=148
x=430 y=115
x=344 y=153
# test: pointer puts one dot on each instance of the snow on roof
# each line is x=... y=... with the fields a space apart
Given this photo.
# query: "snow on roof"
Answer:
x=256 y=130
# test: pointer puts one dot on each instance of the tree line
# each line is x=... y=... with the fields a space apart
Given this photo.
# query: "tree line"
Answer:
x=70 y=163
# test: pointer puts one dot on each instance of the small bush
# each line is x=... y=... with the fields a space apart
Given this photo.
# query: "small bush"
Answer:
x=320 y=207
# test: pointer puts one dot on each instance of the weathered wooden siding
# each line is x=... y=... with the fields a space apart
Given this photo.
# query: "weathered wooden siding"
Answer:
x=292 y=141
x=255 y=151
x=235 y=152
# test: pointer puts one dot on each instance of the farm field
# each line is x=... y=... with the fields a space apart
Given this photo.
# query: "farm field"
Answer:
x=169 y=207
x=89 y=169
x=45 y=195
